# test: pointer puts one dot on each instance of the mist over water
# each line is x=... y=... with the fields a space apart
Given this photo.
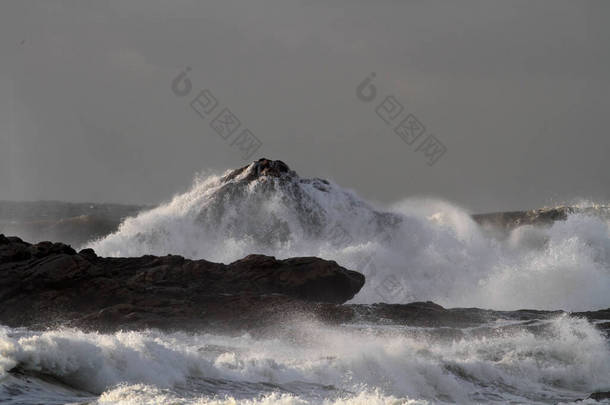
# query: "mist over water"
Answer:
x=416 y=249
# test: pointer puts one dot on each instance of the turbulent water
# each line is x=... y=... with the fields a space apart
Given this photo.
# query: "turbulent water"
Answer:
x=307 y=364
x=413 y=250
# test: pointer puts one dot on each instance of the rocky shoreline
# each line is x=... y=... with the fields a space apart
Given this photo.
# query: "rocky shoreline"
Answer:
x=52 y=292
x=50 y=284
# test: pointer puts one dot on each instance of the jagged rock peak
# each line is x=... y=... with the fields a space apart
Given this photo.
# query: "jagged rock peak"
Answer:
x=261 y=168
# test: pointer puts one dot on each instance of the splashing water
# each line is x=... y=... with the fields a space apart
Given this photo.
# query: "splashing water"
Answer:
x=413 y=250
x=316 y=364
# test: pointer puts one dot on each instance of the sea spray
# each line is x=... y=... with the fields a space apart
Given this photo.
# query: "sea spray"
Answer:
x=562 y=359
x=417 y=249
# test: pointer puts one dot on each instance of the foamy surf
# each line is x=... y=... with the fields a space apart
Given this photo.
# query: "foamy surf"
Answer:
x=561 y=360
x=412 y=250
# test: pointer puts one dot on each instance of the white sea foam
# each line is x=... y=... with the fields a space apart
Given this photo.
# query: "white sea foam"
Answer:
x=317 y=364
x=421 y=250
x=149 y=395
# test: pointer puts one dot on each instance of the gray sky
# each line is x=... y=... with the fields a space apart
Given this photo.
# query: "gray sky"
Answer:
x=517 y=91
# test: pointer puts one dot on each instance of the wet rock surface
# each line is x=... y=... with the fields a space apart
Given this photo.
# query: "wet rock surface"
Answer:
x=50 y=282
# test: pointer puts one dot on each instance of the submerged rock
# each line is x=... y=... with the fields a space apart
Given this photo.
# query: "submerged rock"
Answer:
x=600 y=396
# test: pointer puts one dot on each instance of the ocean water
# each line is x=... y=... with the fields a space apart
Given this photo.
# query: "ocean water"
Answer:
x=412 y=250
x=307 y=364
x=426 y=249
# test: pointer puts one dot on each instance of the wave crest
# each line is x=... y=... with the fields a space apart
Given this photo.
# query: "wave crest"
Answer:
x=417 y=249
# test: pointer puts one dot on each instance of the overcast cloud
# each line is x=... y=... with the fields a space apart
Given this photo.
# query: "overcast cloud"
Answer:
x=518 y=92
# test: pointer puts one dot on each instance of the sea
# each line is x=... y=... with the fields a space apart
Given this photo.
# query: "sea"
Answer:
x=411 y=250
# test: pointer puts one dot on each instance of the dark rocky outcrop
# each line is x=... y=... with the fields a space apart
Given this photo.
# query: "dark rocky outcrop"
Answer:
x=261 y=167
x=600 y=396
x=539 y=217
x=51 y=282
x=429 y=314
x=597 y=396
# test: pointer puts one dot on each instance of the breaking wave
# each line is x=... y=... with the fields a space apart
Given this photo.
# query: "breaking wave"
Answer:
x=310 y=364
x=417 y=249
